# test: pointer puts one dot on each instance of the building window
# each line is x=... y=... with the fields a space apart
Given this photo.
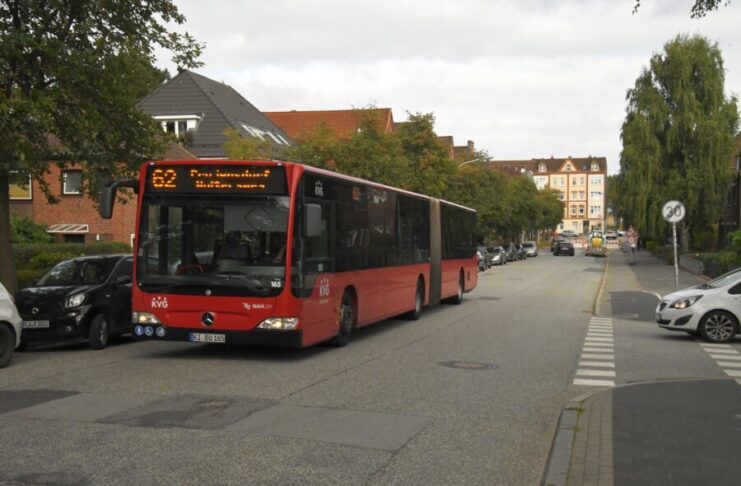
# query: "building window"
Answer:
x=179 y=125
x=71 y=182
x=19 y=187
x=595 y=166
x=595 y=195
x=581 y=209
x=541 y=167
x=561 y=195
x=560 y=226
x=573 y=209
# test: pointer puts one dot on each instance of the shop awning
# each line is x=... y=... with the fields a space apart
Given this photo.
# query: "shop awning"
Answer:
x=68 y=228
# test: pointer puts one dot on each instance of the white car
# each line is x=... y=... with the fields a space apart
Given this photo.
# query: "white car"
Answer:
x=10 y=327
x=711 y=309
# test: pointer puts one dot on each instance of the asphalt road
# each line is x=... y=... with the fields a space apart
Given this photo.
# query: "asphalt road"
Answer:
x=387 y=409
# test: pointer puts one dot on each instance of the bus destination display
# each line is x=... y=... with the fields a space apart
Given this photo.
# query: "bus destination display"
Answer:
x=217 y=179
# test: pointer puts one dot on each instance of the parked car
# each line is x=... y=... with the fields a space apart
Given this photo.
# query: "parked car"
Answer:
x=531 y=249
x=484 y=256
x=611 y=234
x=711 y=309
x=87 y=297
x=555 y=242
x=481 y=259
x=564 y=248
x=568 y=234
x=497 y=255
x=10 y=327
x=509 y=252
x=520 y=251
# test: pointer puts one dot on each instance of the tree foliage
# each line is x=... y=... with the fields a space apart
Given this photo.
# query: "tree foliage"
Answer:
x=412 y=158
x=678 y=138
x=699 y=9
x=71 y=73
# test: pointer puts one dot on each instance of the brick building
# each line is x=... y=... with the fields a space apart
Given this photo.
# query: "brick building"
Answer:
x=75 y=218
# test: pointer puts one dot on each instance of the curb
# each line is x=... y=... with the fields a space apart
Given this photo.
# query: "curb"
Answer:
x=559 y=458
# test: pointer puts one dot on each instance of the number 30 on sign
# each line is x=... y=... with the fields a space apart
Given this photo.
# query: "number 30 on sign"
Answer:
x=673 y=211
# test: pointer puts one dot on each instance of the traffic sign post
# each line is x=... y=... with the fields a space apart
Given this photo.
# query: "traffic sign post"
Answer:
x=674 y=212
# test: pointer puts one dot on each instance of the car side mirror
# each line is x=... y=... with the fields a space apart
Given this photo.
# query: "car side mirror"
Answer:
x=122 y=280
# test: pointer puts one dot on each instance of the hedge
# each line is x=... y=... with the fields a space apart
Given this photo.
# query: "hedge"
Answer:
x=32 y=260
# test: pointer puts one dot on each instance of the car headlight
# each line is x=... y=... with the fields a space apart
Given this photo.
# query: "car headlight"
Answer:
x=279 y=323
x=144 y=318
x=75 y=300
x=685 y=302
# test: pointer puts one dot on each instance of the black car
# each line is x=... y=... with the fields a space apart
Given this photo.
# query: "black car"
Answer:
x=86 y=297
x=564 y=248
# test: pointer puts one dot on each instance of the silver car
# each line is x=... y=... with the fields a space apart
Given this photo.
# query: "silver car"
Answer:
x=531 y=249
x=10 y=327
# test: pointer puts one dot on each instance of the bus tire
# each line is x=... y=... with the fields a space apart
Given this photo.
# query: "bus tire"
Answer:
x=458 y=297
x=347 y=320
x=419 y=302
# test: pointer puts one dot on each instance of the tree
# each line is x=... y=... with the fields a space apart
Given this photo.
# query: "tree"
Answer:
x=244 y=148
x=71 y=73
x=678 y=138
x=699 y=9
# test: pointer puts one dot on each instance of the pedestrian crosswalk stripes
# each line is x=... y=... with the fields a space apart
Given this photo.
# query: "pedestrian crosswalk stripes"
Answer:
x=598 y=355
x=726 y=357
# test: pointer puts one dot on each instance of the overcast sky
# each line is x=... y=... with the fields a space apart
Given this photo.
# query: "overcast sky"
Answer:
x=523 y=79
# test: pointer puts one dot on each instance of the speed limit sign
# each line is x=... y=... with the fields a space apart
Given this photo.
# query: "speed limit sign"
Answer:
x=673 y=211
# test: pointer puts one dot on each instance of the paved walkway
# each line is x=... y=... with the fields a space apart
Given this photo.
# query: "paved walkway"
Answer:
x=665 y=433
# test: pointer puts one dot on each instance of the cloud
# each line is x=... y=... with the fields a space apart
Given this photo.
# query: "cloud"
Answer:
x=522 y=79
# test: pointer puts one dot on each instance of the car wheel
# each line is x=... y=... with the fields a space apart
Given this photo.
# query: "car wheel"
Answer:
x=99 y=332
x=419 y=300
x=347 y=321
x=7 y=343
x=718 y=327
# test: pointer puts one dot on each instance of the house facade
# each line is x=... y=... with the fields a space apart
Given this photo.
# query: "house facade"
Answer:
x=731 y=219
x=75 y=218
x=580 y=183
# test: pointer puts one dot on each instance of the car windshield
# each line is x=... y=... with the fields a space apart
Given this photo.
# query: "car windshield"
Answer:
x=725 y=279
x=224 y=247
x=78 y=272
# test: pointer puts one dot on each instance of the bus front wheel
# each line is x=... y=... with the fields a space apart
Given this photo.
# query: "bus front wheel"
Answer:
x=347 y=319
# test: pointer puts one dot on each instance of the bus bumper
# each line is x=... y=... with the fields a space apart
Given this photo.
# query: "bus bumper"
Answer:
x=257 y=337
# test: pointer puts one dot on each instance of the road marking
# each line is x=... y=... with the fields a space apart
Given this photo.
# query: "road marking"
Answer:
x=722 y=351
x=722 y=346
x=733 y=373
x=583 y=382
x=597 y=352
x=609 y=374
x=725 y=356
x=597 y=364
x=728 y=364
x=597 y=356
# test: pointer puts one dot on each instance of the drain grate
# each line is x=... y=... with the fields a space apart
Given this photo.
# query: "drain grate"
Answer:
x=468 y=365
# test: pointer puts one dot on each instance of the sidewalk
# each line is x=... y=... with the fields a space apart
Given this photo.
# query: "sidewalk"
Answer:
x=660 y=433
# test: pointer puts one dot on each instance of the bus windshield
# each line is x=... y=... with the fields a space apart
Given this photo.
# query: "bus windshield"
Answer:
x=213 y=246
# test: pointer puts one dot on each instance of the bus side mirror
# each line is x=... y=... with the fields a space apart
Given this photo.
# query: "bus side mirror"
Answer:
x=108 y=195
x=312 y=220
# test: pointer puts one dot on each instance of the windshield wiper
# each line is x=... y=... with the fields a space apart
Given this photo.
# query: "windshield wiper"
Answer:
x=200 y=283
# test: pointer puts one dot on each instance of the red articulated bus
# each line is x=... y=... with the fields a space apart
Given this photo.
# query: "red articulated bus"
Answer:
x=280 y=253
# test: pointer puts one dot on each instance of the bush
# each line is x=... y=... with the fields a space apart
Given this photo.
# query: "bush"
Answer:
x=652 y=246
x=25 y=230
x=721 y=262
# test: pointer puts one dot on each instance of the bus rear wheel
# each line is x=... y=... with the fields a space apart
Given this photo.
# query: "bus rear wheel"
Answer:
x=347 y=320
x=419 y=301
x=458 y=297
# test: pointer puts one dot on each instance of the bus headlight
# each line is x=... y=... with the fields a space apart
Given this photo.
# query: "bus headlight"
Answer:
x=144 y=318
x=279 y=323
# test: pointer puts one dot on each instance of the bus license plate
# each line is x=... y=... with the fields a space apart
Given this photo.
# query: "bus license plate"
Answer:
x=202 y=337
x=35 y=324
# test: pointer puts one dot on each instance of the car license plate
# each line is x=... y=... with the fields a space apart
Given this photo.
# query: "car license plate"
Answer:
x=202 y=337
x=36 y=324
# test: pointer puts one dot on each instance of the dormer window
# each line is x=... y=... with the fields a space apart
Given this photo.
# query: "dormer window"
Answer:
x=541 y=167
x=179 y=125
x=595 y=166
